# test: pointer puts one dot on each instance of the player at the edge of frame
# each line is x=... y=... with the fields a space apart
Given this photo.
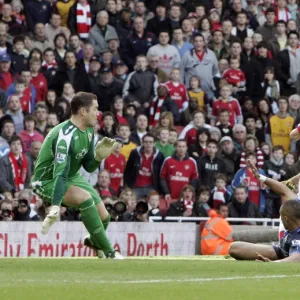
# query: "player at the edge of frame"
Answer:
x=67 y=147
x=288 y=249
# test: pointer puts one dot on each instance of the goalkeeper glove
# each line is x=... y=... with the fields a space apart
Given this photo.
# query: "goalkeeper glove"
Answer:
x=289 y=184
x=104 y=148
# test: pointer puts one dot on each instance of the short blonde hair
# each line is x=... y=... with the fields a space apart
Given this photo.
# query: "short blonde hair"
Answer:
x=121 y=197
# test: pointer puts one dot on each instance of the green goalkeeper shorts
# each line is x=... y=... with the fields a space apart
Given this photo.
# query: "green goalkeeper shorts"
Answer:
x=44 y=189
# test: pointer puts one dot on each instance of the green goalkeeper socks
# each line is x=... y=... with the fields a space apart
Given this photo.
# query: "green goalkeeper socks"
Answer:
x=106 y=222
x=105 y=225
x=93 y=224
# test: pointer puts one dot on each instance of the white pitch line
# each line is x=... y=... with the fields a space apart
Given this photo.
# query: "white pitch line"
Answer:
x=153 y=258
x=207 y=279
x=153 y=281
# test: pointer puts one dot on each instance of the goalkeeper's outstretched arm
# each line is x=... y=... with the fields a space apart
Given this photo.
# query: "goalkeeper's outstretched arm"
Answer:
x=280 y=189
x=292 y=181
x=274 y=185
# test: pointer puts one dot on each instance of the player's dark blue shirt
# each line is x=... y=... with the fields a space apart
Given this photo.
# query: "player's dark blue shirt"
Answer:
x=289 y=244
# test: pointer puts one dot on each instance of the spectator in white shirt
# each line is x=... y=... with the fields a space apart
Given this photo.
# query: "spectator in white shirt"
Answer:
x=169 y=56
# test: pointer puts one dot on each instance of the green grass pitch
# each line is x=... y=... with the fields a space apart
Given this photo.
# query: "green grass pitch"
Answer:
x=150 y=278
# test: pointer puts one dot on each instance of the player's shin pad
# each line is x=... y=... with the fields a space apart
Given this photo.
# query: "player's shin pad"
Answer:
x=93 y=224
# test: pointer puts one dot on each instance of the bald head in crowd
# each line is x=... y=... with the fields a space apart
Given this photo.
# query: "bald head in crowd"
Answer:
x=35 y=149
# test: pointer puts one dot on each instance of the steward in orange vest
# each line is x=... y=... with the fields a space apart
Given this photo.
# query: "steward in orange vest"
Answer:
x=216 y=236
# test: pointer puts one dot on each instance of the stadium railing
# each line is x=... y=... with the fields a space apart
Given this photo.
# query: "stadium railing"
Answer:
x=264 y=221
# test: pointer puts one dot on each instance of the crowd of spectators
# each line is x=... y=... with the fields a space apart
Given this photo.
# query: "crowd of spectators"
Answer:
x=190 y=89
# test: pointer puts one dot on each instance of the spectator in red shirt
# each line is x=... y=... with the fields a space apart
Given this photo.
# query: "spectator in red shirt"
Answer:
x=143 y=166
x=214 y=17
x=38 y=80
x=177 y=171
x=6 y=77
x=103 y=184
x=230 y=103
x=235 y=76
x=29 y=134
x=256 y=189
x=177 y=90
x=115 y=164
x=189 y=133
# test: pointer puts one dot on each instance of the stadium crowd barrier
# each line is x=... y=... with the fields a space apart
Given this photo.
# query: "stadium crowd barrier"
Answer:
x=24 y=239
x=263 y=221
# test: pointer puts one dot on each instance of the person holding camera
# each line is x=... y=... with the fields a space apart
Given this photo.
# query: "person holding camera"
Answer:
x=128 y=196
x=136 y=211
x=6 y=210
x=24 y=211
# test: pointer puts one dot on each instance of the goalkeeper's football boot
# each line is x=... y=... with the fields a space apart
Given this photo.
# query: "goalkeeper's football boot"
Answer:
x=51 y=218
x=114 y=255
x=87 y=242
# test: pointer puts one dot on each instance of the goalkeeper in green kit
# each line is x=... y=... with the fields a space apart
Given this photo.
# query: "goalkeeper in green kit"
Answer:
x=67 y=147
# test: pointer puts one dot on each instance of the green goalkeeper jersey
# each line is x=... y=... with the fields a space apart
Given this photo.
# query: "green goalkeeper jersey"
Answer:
x=65 y=149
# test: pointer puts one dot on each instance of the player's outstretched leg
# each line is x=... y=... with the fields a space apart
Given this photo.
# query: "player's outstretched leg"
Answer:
x=249 y=251
x=80 y=198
